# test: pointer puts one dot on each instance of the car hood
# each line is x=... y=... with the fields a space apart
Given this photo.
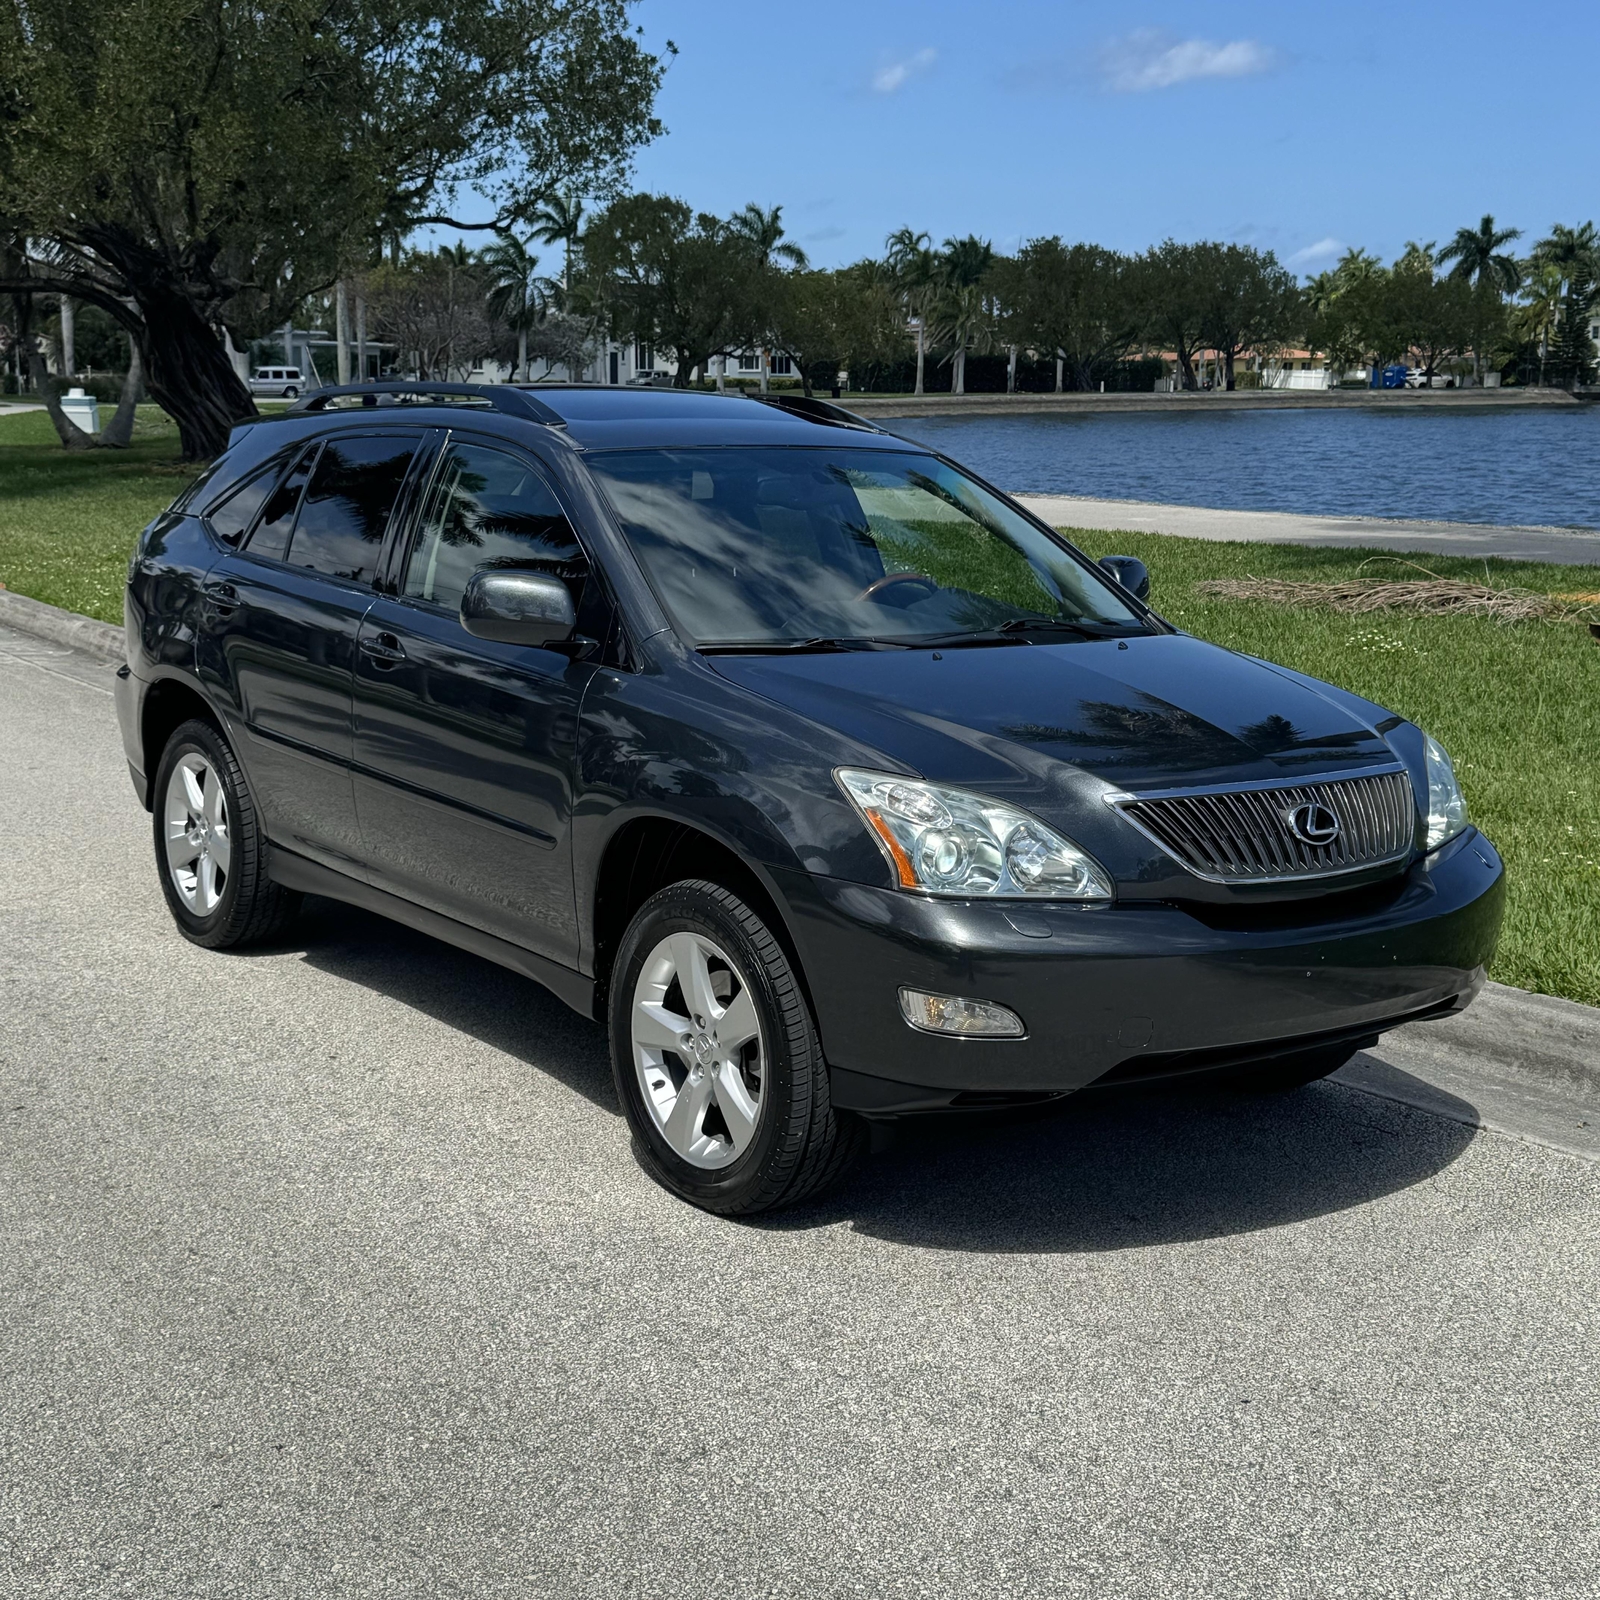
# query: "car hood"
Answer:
x=1146 y=712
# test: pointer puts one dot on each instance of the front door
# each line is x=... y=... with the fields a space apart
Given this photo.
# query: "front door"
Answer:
x=278 y=640
x=464 y=748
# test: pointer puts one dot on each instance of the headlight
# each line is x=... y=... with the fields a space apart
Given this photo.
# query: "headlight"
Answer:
x=949 y=842
x=1447 y=806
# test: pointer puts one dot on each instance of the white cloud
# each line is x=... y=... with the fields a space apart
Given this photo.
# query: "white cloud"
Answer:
x=894 y=76
x=1314 y=255
x=1149 y=59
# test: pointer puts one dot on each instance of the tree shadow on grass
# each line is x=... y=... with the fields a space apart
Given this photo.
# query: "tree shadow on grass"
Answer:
x=1108 y=1170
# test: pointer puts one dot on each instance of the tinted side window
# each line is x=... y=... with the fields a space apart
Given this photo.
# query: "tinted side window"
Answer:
x=488 y=509
x=231 y=519
x=271 y=538
x=348 y=504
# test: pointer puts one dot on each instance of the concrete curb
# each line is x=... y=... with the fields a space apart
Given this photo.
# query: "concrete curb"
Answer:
x=26 y=615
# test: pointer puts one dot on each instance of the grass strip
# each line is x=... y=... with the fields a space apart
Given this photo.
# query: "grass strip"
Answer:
x=69 y=518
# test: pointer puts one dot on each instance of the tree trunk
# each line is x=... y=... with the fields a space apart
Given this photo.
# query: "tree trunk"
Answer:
x=522 y=355
x=69 y=352
x=766 y=370
x=1059 y=365
x=188 y=372
x=958 y=375
x=361 y=335
x=920 y=349
x=341 y=332
x=1011 y=372
x=118 y=433
x=72 y=437
x=1227 y=368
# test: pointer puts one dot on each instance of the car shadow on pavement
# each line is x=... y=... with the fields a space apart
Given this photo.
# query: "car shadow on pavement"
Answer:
x=496 y=1006
x=1119 y=1170
x=1100 y=1171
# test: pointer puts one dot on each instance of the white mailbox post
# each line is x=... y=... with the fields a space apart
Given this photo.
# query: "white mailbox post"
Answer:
x=82 y=410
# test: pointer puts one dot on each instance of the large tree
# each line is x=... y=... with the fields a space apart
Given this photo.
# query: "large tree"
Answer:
x=191 y=166
x=1172 y=297
x=824 y=321
x=685 y=281
x=1073 y=302
x=1247 y=301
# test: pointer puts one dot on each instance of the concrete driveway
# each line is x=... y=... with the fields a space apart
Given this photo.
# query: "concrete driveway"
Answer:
x=326 y=1271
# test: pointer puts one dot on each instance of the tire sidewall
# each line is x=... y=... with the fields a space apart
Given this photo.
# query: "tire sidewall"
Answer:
x=687 y=908
x=203 y=740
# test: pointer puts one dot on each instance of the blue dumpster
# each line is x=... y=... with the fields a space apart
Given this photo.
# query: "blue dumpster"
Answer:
x=1394 y=376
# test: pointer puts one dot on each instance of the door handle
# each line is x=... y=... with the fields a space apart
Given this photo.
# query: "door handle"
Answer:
x=383 y=648
x=222 y=598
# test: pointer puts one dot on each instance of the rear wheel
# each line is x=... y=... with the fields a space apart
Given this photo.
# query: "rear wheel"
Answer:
x=291 y=393
x=1289 y=1072
x=717 y=1061
x=210 y=850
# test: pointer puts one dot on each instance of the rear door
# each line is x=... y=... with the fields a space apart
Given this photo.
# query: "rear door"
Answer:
x=464 y=748
x=281 y=616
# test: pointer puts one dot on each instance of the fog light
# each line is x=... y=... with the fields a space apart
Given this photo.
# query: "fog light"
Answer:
x=949 y=1013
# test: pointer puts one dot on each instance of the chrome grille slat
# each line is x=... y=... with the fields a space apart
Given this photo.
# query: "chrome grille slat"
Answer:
x=1242 y=835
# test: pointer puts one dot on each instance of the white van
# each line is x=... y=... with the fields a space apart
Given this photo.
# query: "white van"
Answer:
x=284 y=382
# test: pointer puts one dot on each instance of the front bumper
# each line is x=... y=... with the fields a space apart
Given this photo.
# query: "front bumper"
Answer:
x=1102 y=988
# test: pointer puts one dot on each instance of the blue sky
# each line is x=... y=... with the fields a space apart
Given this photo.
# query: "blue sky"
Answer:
x=1300 y=128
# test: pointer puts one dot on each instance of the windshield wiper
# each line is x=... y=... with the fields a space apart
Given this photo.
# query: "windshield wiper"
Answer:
x=769 y=647
x=1018 y=628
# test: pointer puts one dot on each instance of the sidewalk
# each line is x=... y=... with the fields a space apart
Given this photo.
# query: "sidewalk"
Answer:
x=1564 y=546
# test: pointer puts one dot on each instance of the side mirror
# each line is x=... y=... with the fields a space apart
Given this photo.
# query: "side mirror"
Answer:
x=529 y=608
x=1131 y=573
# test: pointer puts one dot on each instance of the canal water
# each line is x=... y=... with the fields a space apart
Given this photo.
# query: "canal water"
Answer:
x=1481 y=466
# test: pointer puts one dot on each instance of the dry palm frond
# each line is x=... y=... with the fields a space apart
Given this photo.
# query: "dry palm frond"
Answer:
x=1435 y=596
x=1429 y=596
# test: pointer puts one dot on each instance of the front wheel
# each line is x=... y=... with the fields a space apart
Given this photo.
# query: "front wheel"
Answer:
x=717 y=1061
x=210 y=849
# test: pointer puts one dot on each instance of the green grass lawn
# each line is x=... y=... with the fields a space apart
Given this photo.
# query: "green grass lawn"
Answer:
x=1517 y=706
x=68 y=519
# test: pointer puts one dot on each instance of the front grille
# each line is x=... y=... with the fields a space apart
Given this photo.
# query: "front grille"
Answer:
x=1243 y=835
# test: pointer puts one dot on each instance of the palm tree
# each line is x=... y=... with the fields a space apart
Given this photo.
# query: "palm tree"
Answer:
x=1567 y=248
x=764 y=229
x=964 y=315
x=1479 y=255
x=915 y=271
x=558 y=219
x=517 y=295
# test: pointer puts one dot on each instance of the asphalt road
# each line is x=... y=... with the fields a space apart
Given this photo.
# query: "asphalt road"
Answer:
x=326 y=1271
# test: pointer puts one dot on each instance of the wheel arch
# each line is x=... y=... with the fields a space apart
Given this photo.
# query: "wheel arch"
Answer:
x=650 y=851
x=169 y=703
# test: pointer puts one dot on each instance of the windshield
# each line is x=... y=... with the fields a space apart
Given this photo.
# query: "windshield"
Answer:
x=791 y=547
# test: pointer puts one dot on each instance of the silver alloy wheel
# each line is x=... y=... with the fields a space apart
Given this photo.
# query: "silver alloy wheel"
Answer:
x=199 y=851
x=698 y=1050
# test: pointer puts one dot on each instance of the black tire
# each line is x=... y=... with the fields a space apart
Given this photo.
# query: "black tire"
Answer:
x=291 y=393
x=801 y=1145
x=251 y=908
x=1289 y=1072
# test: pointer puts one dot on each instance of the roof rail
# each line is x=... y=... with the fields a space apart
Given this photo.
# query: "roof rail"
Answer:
x=804 y=405
x=499 y=396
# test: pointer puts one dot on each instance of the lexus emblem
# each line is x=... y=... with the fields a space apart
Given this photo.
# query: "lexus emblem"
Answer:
x=1313 y=824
